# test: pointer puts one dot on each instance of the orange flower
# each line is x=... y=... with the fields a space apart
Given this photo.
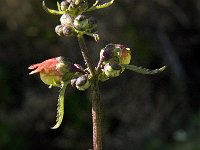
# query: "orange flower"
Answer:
x=51 y=71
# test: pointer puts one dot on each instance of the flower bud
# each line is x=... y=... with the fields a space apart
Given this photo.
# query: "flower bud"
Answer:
x=77 y=7
x=64 y=31
x=59 y=30
x=64 y=5
x=68 y=31
x=52 y=71
x=82 y=83
x=116 y=52
x=66 y=20
x=112 y=69
x=83 y=23
x=73 y=82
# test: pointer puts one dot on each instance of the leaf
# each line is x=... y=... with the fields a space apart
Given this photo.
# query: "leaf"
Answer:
x=60 y=106
x=52 y=11
x=95 y=6
x=143 y=70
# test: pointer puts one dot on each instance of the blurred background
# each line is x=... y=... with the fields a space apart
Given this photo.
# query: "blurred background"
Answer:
x=140 y=112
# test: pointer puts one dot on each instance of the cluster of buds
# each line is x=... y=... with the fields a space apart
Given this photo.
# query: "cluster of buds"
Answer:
x=56 y=71
x=71 y=26
x=74 y=7
x=112 y=57
x=72 y=21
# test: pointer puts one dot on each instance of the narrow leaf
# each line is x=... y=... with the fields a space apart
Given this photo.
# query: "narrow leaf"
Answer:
x=52 y=11
x=60 y=106
x=143 y=70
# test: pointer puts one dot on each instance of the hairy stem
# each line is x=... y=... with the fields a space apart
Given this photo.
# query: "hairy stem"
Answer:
x=84 y=52
x=96 y=117
x=96 y=111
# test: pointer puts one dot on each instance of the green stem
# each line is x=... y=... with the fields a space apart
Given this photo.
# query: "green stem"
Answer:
x=96 y=109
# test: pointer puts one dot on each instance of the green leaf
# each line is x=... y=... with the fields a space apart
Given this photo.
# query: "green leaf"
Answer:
x=60 y=106
x=52 y=11
x=95 y=6
x=143 y=70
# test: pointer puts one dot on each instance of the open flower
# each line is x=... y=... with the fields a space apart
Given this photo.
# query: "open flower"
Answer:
x=52 y=71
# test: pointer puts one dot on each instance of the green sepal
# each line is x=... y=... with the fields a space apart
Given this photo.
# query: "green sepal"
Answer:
x=58 y=5
x=60 y=105
x=52 y=11
x=95 y=6
x=143 y=70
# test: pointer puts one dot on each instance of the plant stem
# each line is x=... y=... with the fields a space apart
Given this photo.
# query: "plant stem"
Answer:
x=96 y=109
x=84 y=53
x=96 y=117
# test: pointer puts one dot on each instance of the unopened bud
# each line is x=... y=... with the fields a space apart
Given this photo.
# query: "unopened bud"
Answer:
x=83 y=23
x=64 y=31
x=59 y=30
x=116 y=52
x=64 y=5
x=73 y=82
x=68 y=31
x=66 y=20
x=112 y=70
x=82 y=83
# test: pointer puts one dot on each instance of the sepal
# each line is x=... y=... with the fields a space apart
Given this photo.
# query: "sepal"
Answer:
x=52 y=11
x=95 y=6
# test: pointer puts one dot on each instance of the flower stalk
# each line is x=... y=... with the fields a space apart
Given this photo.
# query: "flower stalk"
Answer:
x=96 y=106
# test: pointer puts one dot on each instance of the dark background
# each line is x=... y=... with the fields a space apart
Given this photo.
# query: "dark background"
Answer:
x=140 y=112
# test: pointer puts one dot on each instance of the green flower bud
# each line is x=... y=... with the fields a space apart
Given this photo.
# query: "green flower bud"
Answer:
x=66 y=20
x=82 y=83
x=112 y=69
x=83 y=23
